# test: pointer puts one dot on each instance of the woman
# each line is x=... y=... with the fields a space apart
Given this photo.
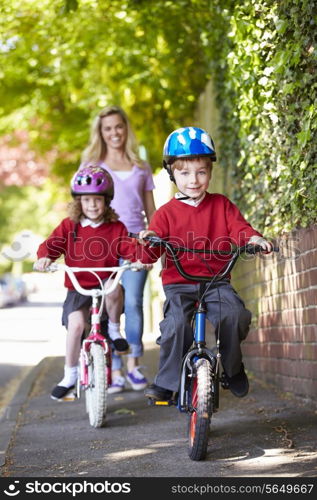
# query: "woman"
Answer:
x=113 y=147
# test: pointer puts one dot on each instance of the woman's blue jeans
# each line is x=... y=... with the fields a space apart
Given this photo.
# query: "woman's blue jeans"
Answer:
x=133 y=283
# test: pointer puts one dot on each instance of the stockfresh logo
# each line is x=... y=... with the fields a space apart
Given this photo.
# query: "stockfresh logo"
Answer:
x=12 y=490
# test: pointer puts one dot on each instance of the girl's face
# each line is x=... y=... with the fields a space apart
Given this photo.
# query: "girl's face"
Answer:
x=93 y=206
x=114 y=131
x=192 y=179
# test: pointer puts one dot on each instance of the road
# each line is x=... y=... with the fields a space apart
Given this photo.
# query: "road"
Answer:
x=265 y=434
x=29 y=332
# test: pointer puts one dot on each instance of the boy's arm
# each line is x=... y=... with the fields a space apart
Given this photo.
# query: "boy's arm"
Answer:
x=145 y=253
x=241 y=231
x=129 y=249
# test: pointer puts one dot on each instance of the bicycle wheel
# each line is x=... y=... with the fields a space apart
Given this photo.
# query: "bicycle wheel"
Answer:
x=199 y=420
x=96 y=394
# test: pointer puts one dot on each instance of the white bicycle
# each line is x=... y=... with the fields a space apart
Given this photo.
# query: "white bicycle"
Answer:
x=95 y=358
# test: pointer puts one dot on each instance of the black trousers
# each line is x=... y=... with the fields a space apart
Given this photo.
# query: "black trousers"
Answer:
x=225 y=311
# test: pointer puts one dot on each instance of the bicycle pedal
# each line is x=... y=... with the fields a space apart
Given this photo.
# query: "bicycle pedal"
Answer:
x=155 y=402
x=69 y=397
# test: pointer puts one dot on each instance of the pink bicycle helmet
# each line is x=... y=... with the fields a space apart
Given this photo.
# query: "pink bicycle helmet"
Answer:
x=92 y=180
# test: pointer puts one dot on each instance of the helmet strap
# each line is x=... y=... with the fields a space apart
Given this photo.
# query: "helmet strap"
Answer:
x=169 y=171
x=185 y=197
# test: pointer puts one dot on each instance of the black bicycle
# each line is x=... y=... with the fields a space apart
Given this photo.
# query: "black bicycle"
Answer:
x=201 y=372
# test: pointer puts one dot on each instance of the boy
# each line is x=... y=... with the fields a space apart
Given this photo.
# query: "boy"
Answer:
x=197 y=219
x=92 y=236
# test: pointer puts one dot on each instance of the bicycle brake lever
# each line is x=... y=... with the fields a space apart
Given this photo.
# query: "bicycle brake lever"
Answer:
x=153 y=240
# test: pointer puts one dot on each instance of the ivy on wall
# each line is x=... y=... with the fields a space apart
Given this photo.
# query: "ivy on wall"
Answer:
x=265 y=78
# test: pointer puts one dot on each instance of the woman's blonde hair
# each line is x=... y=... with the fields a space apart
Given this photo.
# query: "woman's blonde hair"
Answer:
x=96 y=150
x=75 y=211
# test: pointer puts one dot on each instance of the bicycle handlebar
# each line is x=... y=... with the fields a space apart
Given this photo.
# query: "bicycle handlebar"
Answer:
x=248 y=248
x=119 y=270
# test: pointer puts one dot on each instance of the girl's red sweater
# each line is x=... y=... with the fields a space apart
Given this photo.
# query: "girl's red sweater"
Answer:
x=101 y=246
x=214 y=224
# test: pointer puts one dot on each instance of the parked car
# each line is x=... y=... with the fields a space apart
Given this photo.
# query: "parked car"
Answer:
x=12 y=290
x=4 y=295
x=21 y=288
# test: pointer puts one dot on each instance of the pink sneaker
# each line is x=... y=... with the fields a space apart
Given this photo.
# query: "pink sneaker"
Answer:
x=136 y=379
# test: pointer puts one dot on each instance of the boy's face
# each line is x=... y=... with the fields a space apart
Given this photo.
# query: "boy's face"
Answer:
x=93 y=206
x=192 y=178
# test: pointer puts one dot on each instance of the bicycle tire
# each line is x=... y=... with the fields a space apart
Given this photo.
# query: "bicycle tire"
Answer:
x=96 y=393
x=199 y=419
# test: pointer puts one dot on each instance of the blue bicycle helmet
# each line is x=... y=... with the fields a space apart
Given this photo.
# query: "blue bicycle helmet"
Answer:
x=187 y=142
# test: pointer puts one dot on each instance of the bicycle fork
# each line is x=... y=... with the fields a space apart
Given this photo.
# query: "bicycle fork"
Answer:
x=94 y=336
x=198 y=351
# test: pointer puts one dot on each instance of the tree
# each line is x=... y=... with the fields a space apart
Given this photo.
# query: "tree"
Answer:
x=65 y=60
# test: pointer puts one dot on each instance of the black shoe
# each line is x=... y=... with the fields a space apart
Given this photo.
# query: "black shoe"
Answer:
x=121 y=346
x=158 y=393
x=59 y=392
x=239 y=384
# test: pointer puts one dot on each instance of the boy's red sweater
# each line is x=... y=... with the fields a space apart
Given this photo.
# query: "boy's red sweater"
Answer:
x=101 y=246
x=213 y=224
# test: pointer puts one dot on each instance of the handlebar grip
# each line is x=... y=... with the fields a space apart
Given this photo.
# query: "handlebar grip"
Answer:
x=253 y=249
x=154 y=240
x=51 y=268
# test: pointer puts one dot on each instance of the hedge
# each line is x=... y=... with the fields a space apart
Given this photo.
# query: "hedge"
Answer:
x=265 y=78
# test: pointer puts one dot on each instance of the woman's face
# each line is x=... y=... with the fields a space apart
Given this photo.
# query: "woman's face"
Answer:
x=114 y=131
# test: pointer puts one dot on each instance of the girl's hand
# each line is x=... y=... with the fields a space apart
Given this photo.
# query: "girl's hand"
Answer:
x=262 y=242
x=143 y=234
x=42 y=264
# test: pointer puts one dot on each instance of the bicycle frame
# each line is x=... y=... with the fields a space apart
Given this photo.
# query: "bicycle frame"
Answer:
x=95 y=335
x=198 y=350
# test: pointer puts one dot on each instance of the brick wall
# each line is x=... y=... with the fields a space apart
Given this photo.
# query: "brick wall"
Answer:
x=281 y=292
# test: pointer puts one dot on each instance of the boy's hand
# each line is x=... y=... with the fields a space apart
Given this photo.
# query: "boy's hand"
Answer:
x=143 y=234
x=262 y=242
x=42 y=264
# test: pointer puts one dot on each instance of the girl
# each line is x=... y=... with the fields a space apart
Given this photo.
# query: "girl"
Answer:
x=91 y=236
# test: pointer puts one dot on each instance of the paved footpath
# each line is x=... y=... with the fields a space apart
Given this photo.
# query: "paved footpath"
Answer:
x=265 y=434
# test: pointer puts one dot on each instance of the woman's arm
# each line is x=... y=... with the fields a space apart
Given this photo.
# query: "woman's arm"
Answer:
x=149 y=205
